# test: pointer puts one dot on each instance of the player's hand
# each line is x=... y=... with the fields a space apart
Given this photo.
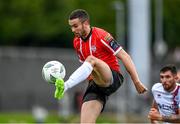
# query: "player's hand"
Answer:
x=154 y=114
x=59 y=92
x=140 y=87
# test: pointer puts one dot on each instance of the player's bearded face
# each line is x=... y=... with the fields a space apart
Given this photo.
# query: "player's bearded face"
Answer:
x=77 y=27
x=83 y=32
x=168 y=81
x=80 y=32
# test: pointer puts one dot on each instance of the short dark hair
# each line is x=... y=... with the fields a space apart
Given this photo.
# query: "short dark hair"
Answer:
x=79 y=13
x=169 y=67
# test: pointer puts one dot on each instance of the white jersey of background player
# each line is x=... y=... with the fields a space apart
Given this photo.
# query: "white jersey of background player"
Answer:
x=166 y=103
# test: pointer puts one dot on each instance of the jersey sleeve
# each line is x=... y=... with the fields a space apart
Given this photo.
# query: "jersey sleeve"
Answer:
x=155 y=87
x=110 y=43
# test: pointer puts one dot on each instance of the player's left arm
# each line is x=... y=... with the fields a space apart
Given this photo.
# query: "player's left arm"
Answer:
x=172 y=118
x=154 y=115
x=130 y=67
x=112 y=45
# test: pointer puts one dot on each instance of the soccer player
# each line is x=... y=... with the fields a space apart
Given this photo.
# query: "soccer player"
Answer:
x=166 y=103
x=98 y=52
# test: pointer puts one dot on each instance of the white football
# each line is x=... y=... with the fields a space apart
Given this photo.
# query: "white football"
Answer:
x=52 y=70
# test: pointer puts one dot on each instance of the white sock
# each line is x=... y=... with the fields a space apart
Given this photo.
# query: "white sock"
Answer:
x=79 y=75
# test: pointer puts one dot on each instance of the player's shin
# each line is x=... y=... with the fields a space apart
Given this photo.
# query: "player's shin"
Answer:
x=79 y=75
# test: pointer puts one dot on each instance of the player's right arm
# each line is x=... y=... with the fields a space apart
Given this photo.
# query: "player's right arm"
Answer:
x=154 y=105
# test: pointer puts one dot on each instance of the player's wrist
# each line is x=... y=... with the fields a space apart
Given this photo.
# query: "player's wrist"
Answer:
x=137 y=81
x=164 y=118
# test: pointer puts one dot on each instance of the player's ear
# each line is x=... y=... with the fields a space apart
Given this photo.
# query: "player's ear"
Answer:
x=86 y=22
x=176 y=77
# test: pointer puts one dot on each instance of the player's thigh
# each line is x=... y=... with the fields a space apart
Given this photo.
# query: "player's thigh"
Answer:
x=90 y=111
x=101 y=70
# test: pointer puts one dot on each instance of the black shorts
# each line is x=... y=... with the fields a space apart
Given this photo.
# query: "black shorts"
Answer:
x=95 y=92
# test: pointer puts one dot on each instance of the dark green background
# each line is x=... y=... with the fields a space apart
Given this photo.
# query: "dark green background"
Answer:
x=45 y=22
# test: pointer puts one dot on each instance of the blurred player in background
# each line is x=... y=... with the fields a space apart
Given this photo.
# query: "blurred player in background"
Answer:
x=98 y=52
x=166 y=104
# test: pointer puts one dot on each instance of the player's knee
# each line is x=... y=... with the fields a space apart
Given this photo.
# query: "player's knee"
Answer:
x=91 y=59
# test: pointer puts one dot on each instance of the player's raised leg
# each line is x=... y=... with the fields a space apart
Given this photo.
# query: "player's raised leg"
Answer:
x=100 y=71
